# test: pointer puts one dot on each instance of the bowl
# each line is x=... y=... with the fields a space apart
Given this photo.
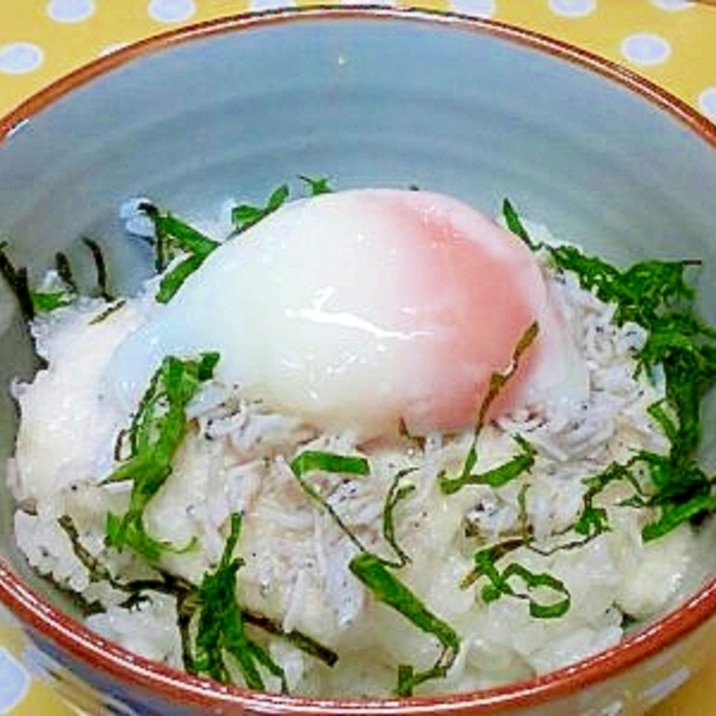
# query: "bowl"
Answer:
x=370 y=96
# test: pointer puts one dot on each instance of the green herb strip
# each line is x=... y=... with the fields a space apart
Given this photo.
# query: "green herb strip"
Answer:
x=515 y=225
x=17 y=280
x=98 y=572
x=310 y=460
x=682 y=492
x=153 y=439
x=31 y=303
x=173 y=238
x=172 y=282
x=298 y=639
x=519 y=464
x=399 y=491
x=244 y=216
x=48 y=301
x=188 y=601
x=499 y=585
x=317 y=186
x=374 y=571
x=499 y=380
x=498 y=551
x=592 y=520
x=660 y=412
x=389 y=590
x=497 y=476
x=64 y=270
x=102 y=275
x=221 y=625
x=107 y=312
x=657 y=296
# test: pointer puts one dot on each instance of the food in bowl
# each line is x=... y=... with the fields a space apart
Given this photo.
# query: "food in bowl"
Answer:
x=364 y=443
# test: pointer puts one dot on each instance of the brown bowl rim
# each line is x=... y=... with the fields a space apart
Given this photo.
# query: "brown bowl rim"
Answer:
x=130 y=670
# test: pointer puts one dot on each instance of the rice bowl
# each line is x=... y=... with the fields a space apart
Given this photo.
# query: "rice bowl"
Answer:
x=329 y=526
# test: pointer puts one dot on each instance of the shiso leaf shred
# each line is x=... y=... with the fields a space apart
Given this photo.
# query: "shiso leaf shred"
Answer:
x=657 y=296
x=400 y=489
x=244 y=216
x=316 y=186
x=35 y=302
x=64 y=268
x=153 y=438
x=514 y=223
x=312 y=460
x=499 y=585
x=176 y=240
x=516 y=466
x=389 y=590
x=221 y=627
x=376 y=573
x=188 y=600
x=17 y=280
x=102 y=274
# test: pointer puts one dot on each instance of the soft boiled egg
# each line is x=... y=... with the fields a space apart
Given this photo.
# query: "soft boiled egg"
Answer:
x=361 y=309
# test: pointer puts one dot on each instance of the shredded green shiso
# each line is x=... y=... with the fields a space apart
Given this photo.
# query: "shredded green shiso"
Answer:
x=658 y=296
x=214 y=627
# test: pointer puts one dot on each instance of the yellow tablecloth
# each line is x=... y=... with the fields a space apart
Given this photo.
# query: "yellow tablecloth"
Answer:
x=672 y=42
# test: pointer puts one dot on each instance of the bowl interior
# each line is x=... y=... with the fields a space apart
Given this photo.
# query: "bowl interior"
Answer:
x=376 y=98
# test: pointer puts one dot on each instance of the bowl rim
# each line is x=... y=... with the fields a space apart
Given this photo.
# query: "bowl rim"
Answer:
x=97 y=653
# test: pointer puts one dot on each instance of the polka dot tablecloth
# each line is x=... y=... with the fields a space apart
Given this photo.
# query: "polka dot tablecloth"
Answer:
x=672 y=42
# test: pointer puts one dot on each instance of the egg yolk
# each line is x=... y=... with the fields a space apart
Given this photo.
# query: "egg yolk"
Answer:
x=361 y=309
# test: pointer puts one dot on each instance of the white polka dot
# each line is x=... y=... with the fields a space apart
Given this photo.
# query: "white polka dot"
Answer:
x=615 y=708
x=478 y=8
x=16 y=681
x=573 y=8
x=664 y=687
x=707 y=102
x=172 y=10
x=259 y=5
x=70 y=10
x=672 y=5
x=17 y=58
x=645 y=49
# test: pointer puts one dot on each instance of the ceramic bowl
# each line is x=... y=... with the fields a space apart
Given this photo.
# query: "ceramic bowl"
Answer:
x=367 y=96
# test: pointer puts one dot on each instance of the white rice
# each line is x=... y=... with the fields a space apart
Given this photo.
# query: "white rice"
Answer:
x=236 y=457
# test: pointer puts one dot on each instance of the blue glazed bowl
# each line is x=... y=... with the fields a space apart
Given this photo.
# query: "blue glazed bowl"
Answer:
x=370 y=96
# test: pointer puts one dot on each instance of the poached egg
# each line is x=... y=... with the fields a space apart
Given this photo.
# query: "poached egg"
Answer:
x=363 y=309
